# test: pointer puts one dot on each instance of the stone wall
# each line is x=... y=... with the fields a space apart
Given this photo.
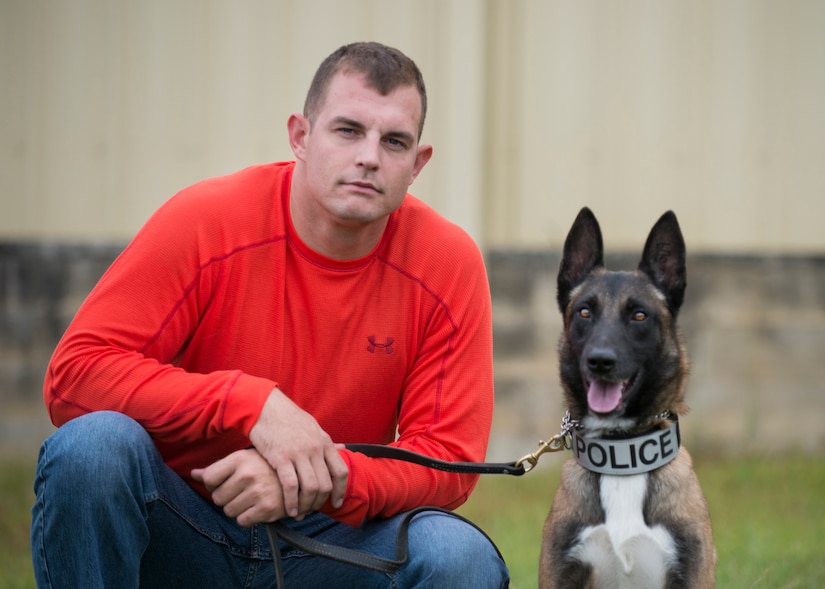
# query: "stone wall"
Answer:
x=41 y=287
x=755 y=330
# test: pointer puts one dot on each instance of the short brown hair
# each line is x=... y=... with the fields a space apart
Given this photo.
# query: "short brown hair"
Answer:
x=385 y=68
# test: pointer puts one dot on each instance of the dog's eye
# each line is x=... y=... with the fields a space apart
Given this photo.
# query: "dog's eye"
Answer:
x=639 y=316
x=584 y=313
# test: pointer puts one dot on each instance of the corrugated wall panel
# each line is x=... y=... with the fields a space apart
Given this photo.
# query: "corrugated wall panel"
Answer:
x=713 y=108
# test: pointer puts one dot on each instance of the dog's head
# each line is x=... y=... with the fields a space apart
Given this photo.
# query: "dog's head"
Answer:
x=621 y=354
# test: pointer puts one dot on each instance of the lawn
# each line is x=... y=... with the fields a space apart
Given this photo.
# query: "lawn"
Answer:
x=768 y=518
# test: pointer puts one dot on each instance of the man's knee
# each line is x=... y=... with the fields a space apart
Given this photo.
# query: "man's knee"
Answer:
x=93 y=448
x=456 y=551
x=89 y=517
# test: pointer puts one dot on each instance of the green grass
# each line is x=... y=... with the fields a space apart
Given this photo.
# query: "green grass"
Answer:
x=16 y=498
x=768 y=518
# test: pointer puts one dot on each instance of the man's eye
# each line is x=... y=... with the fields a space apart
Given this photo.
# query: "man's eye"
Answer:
x=396 y=143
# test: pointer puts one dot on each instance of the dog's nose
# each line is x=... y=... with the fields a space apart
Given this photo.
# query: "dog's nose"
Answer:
x=601 y=360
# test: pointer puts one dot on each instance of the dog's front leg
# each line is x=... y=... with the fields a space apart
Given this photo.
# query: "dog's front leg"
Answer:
x=557 y=569
x=575 y=507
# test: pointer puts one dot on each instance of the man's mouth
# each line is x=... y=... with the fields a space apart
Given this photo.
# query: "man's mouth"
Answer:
x=362 y=185
x=605 y=397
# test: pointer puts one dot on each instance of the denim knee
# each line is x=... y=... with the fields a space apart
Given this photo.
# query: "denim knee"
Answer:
x=91 y=453
x=457 y=553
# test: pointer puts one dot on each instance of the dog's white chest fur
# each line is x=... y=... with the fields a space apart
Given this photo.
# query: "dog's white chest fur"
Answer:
x=624 y=551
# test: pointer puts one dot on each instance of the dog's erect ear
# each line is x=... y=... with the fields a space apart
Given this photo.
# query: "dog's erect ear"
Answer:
x=663 y=260
x=583 y=252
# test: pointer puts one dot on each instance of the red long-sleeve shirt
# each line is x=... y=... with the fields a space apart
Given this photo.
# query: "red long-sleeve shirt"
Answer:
x=217 y=300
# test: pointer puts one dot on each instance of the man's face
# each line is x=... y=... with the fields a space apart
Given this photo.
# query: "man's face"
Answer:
x=362 y=153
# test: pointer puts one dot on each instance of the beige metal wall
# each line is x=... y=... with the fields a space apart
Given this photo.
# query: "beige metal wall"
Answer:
x=713 y=108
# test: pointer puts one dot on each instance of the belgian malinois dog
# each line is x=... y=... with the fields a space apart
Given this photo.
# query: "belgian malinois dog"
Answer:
x=629 y=512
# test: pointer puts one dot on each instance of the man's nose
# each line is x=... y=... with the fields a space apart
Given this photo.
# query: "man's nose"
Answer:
x=368 y=152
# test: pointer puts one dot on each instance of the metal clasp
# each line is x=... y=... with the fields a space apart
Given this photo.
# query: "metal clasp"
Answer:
x=559 y=442
x=555 y=444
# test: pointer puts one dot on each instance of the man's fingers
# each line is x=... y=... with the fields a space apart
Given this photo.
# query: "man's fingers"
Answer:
x=307 y=483
x=339 y=473
x=250 y=508
x=290 y=486
x=314 y=496
x=214 y=475
x=245 y=486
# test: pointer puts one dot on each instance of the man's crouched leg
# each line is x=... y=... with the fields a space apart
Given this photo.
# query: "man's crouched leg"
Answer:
x=443 y=551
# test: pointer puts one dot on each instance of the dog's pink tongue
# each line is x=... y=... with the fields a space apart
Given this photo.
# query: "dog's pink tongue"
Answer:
x=604 y=397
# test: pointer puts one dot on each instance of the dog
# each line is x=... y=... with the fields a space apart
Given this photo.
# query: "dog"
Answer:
x=629 y=511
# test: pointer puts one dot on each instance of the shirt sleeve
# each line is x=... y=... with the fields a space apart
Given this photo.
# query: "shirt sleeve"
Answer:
x=121 y=350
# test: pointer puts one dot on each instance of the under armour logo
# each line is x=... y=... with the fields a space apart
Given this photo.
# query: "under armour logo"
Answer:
x=386 y=346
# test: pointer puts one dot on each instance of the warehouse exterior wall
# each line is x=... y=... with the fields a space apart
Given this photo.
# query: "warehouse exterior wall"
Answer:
x=711 y=108
x=537 y=107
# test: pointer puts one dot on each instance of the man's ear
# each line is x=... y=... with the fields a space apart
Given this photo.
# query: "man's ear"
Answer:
x=422 y=156
x=298 y=131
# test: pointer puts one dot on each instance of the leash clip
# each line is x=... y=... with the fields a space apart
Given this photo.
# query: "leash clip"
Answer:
x=559 y=442
x=555 y=444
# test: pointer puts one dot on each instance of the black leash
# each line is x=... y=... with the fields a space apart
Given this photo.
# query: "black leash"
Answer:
x=516 y=468
x=277 y=531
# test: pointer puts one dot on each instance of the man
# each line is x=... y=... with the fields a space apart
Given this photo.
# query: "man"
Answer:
x=255 y=324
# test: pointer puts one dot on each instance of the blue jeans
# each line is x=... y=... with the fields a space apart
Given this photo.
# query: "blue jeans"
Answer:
x=110 y=513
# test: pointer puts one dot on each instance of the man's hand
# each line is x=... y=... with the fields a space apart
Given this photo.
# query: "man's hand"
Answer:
x=306 y=461
x=245 y=486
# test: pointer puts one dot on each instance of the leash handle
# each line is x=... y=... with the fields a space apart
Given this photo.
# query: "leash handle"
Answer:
x=278 y=531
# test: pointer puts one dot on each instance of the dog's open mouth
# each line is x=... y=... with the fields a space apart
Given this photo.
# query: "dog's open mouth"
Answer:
x=605 y=397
